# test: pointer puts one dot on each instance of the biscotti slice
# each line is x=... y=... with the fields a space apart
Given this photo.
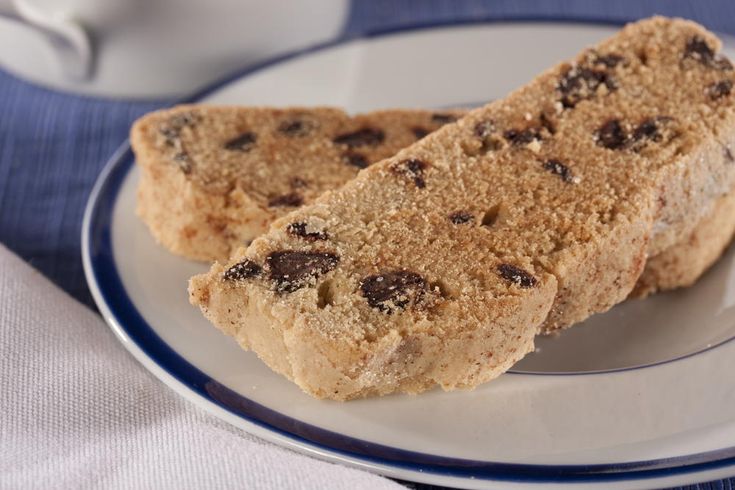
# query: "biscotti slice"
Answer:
x=214 y=178
x=202 y=223
x=439 y=265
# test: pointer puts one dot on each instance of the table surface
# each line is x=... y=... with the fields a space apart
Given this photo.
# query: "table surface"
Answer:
x=53 y=145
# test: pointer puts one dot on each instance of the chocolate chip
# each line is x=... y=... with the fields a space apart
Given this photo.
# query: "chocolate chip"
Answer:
x=443 y=118
x=244 y=142
x=520 y=137
x=484 y=129
x=291 y=270
x=413 y=169
x=461 y=217
x=581 y=83
x=393 y=290
x=292 y=199
x=299 y=229
x=648 y=129
x=356 y=160
x=558 y=168
x=612 y=135
x=516 y=275
x=720 y=89
x=698 y=49
x=242 y=270
x=609 y=60
x=361 y=137
x=419 y=132
x=651 y=129
x=296 y=127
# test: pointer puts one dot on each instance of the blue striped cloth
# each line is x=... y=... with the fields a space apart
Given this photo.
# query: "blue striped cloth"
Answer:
x=53 y=145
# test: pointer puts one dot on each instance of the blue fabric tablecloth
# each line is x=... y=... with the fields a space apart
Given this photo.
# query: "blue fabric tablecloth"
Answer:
x=53 y=145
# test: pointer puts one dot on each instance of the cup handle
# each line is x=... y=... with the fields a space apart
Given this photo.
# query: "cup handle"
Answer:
x=69 y=39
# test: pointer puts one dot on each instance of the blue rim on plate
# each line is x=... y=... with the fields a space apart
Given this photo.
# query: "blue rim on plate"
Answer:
x=111 y=296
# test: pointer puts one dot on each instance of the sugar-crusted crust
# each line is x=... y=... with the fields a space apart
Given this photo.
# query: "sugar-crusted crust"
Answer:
x=571 y=183
x=213 y=177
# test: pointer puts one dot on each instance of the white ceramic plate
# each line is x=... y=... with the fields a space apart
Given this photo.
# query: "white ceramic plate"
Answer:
x=642 y=396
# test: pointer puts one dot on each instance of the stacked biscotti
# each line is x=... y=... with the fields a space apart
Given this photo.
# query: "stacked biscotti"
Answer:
x=202 y=196
x=439 y=265
x=214 y=178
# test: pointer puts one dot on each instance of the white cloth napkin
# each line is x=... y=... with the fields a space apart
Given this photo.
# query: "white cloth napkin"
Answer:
x=77 y=411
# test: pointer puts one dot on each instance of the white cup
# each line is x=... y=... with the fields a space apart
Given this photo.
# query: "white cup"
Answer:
x=154 y=48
